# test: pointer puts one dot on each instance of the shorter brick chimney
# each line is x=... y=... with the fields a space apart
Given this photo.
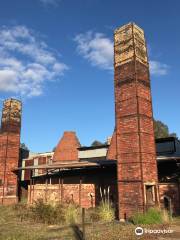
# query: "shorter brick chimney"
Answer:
x=67 y=148
x=111 y=153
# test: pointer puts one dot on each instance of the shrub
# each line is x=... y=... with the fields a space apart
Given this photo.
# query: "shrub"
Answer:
x=106 y=212
x=22 y=210
x=59 y=208
x=71 y=214
x=166 y=217
x=152 y=216
x=92 y=215
x=43 y=212
x=48 y=213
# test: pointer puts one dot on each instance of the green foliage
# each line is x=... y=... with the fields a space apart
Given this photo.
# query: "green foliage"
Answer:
x=92 y=215
x=96 y=143
x=161 y=130
x=47 y=213
x=152 y=216
x=71 y=214
x=22 y=211
x=43 y=212
x=55 y=214
x=13 y=229
x=106 y=212
x=23 y=146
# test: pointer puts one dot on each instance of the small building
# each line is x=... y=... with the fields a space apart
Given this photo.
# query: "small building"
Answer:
x=92 y=176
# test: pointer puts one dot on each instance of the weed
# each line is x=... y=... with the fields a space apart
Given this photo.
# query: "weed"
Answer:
x=152 y=216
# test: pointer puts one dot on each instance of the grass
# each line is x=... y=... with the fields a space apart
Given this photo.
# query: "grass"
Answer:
x=19 y=223
x=152 y=216
x=71 y=214
x=13 y=227
x=106 y=212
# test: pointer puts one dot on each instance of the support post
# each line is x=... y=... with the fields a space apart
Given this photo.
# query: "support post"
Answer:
x=46 y=186
x=62 y=181
x=30 y=186
x=83 y=223
x=59 y=184
x=80 y=189
x=33 y=187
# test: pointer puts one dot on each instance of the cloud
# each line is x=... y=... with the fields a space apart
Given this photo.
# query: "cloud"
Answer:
x=26 y=62
x=54 y=3
x=98 y=50
x=158 y=68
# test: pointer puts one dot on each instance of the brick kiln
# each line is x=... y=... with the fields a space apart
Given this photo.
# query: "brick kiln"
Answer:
x=129 y=170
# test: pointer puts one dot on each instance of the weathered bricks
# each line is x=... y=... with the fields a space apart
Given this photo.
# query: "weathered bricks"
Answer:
x=67 y=148
x=172 y=192
x=111 y=153
x=9 y=150
x=136 y=168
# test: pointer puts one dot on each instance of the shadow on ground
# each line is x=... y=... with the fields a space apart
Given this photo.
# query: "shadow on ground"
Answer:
x=77 y=232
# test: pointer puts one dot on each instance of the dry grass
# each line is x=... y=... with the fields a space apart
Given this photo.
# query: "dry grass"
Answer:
x=12 y=228
x=15 y=227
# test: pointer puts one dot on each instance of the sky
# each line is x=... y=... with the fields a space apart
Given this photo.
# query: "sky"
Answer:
x=57 y=57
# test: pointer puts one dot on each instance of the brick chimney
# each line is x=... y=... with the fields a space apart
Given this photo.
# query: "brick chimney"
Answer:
x=136 y=156
x=9 y=150
x=112 y=149
x=67 y=148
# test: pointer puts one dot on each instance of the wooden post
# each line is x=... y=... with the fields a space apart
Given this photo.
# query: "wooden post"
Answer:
x=46 y=187
x=170 y=208
x=83 y=223
x=62 y=181
x=33 y=188
x=80 y=189
x=30 y=186
x=59 y=189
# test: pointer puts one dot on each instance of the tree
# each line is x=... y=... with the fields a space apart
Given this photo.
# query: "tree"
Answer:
x=96 y=143
x=23 y=146
x=54 y=149
x=161 y=130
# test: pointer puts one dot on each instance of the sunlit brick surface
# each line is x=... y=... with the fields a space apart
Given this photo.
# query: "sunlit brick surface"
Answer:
x=134 y=123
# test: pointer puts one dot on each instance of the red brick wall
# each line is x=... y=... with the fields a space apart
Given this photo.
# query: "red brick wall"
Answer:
x=83 y=194
x=111 y=153
x=81 y=188
x=172 y=191
x=27 y=173
x=9 y=150
x=67 y=148
x=134 y=124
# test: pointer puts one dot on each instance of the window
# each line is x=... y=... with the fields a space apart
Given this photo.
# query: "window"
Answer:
x=150 y=194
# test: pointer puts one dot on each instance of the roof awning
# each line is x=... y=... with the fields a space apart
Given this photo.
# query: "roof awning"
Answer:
x=85 y=164
x=68 y=165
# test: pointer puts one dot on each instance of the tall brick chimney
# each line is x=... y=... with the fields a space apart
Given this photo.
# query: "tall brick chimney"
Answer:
x=136 y=155
x=9 y=150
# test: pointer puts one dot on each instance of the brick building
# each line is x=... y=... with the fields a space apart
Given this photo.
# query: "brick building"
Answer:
x=131 y=169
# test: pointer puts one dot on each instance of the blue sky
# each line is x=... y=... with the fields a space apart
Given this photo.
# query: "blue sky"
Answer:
x=56 y=55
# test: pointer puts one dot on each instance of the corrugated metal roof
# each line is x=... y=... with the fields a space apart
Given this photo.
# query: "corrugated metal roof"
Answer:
x=66 y=165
